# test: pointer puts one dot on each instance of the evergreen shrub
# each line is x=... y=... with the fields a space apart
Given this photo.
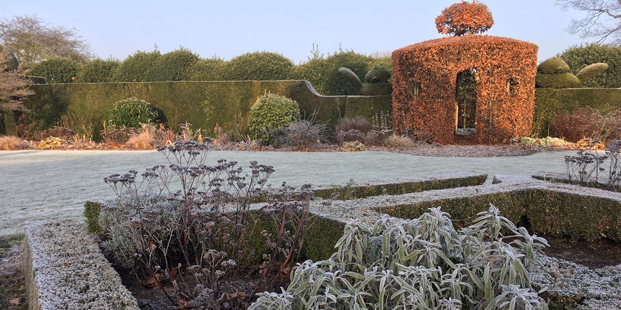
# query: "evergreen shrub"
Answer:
x=172 y=66
x=137 y=67
x=258 y=66
x=131 y=112
x=211 y=69
x=57 y=70
x=98 y=71
x=269 y=113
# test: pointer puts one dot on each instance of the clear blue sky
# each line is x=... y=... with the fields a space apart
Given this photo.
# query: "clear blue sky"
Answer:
x=288 y=27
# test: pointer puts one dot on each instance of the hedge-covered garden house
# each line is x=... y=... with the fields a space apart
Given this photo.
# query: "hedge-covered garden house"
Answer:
x=472 y=87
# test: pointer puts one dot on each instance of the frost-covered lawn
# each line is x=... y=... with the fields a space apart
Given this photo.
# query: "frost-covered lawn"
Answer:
x=47 y=185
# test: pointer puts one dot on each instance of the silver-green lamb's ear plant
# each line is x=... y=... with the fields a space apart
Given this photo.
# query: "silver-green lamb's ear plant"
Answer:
x=420 y=264
x=514 y=297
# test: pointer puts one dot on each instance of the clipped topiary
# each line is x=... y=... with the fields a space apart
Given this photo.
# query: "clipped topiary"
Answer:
x=579 y=56
x=132 y=112
x=464 y=18
x=98 y=71
x=324 y=76
x=211 y=69
x=554 y=65
x=352 y=78
x=269 y=113
x=137 y=67
x=591 y=71
x=377 y=75
x=172 y=66
x=57 y=70
x=563 y=80
x=11 y=63
x=258 y=66
x=376 y=89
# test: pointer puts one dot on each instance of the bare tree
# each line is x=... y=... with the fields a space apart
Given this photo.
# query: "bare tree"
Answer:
x=33 y=40
x=603 y=19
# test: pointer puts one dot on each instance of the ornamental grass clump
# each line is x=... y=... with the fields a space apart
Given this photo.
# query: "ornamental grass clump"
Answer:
x=422 y=263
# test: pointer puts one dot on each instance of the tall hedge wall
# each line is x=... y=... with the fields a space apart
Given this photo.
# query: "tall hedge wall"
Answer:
x=203 y=104
x=549 y=102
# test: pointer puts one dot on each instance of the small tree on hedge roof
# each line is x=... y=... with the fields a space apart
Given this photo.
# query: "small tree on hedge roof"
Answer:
x=465 y=18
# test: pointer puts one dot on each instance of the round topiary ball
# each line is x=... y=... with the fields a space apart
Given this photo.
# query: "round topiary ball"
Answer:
x=553 y=65
x=269 y=113
x=132 y=112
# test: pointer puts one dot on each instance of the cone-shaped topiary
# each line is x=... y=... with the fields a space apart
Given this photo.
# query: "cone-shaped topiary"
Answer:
x=591 y=71
x=553 y=65
x=11 y=62
x=352 y=78
x=269 y=113
x=563 y=80
x=377 y=75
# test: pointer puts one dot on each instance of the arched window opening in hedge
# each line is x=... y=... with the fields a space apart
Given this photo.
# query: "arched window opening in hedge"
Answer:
x=505 y=87
x=512 y=86
x=465 y=102
x=414 y=88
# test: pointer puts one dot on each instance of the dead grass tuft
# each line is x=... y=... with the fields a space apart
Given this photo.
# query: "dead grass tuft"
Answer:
x=399 y=141
x=145 y=140
x=10 y=143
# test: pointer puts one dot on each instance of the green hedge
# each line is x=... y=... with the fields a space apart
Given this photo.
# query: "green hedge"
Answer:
x=396 y=188
x=202 y=104
x=549 y=102
x=550 y=212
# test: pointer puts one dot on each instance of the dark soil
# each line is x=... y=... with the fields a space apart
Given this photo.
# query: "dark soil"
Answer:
x=12 y=284
x=596 y=254
x=237 y=293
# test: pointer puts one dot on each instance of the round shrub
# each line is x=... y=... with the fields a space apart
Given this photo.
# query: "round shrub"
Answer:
x=172 y=66
x=132 y=112
x=137 y=67
x=258 y=66
x=57 y=70
x=211 y=69
x=98 y=71
x=270 y=113
x=554 y=65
